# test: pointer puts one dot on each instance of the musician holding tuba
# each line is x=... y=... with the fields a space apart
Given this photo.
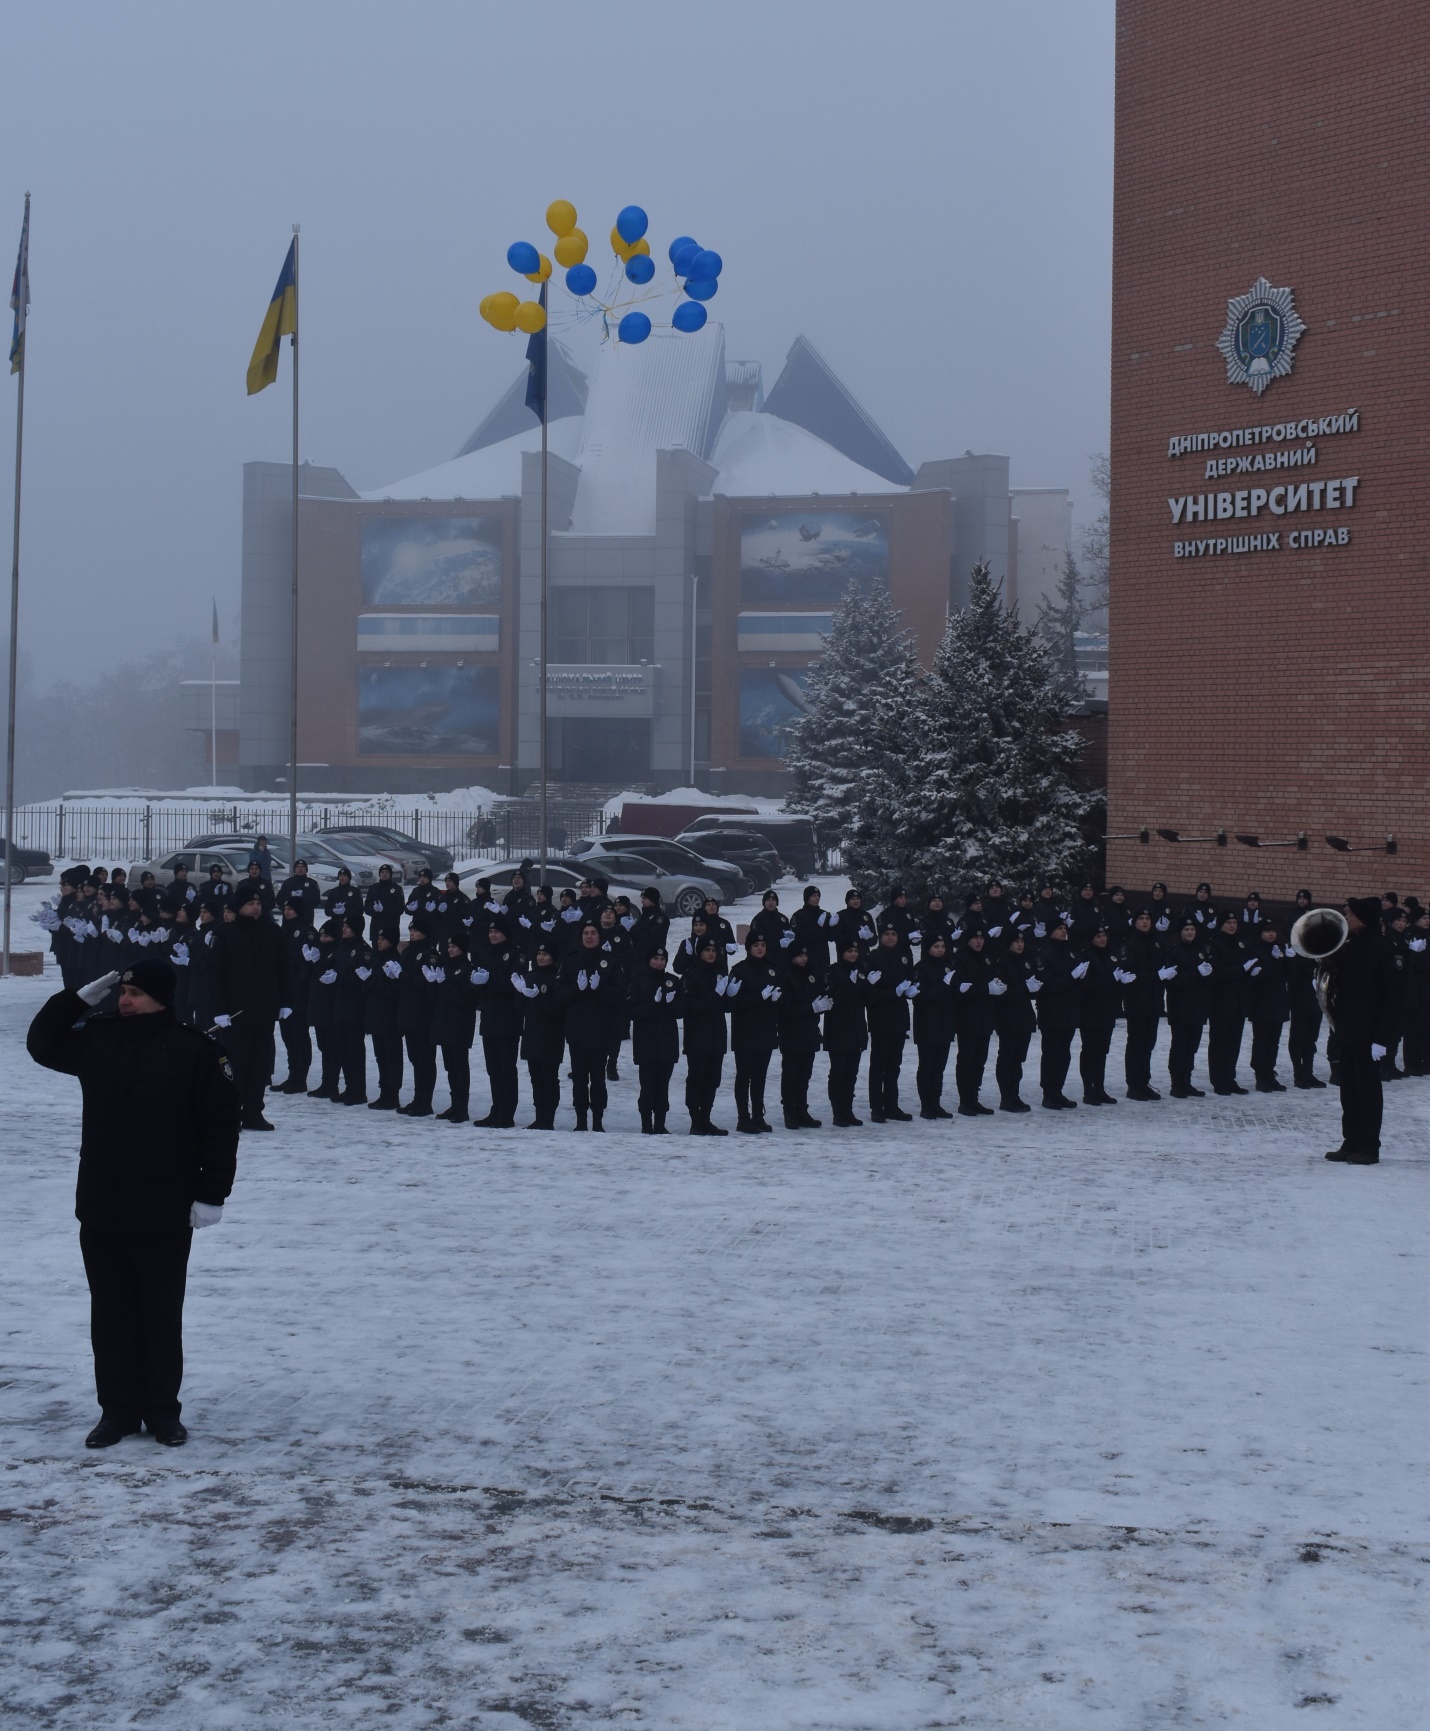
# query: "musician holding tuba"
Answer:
x=1361 y=978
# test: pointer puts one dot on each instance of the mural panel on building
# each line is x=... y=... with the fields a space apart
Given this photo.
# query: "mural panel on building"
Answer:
x=811 y=557
x=772 y=699
x=431 y=561
x=428 y=711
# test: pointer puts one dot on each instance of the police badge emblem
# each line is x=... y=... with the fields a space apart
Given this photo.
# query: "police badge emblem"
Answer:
x=1262 y=328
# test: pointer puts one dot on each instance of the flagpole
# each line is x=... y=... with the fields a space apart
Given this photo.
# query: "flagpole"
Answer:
x=213 y=705
x=23 y=287
x=545 y=392
x=293 y=621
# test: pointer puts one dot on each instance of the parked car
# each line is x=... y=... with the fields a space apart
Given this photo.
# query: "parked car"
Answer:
x=794 y=837
x=366 y=851
x=675 y=856
x=387 y=840
x=561 y=874
x=233 y=858
x=681 y=890
x=25 y=862
x=748 y=849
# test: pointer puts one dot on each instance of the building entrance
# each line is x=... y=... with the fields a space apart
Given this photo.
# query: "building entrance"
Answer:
x=602 y=749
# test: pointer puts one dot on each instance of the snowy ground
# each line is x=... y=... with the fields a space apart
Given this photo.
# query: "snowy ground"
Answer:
x=1099 y=1418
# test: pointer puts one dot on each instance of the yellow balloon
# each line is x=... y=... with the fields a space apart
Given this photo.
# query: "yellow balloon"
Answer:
x=531 y=317
x=542 y=274
x=501 y=311
x=618 y=246
x=640 y=246
x=561 y=217
x=571 y=249
x=485 y=308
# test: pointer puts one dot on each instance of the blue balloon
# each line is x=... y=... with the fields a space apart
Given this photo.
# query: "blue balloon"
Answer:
x=706 y=264
x=641 y=268
x=580 y=279
x=688 y=252
x=689 y=316
x=631 y=224
x=633 y=328
x=701 y=288
x=522 y=256
x=678 y=244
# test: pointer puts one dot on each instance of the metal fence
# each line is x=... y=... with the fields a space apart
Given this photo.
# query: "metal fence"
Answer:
x=130 y=833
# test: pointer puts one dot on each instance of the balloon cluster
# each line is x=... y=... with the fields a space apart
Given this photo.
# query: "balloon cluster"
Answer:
x=696 y=268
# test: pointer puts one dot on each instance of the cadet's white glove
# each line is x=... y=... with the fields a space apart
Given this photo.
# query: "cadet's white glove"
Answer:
x=769 y=994
x=328 y=978
x=524 y=986
x=223 y=1021
x=786 y=939
x=965 y=985
x=1035 y=985
x=494 y=907
x=1204 y=968
x=826 y=918
x=867 y=933
x=1377 y=1051
x=96 y=990
x=480 y=976
x=1254 y=969
x=996 y=988
x=1166 y=973
x=311 y=952
x=1417 y=944
x=393 y=970
x=161 y=934
x=569 y=914
x=732 y=949
x=1123 y=978
x=722 y=985
x=948 y=976
x=955 y=934
x=114 y=935
x=49 y=921
x=629 y=922
x=994 y=931
x=1163 y=923
x=1249 y=965
x=820 y=1005
x=363 y=973
x=205 y=1214
x=1039 y=929
x=732 y=990
x=285 y=1012
x=1080 y=970
x=522 y=920
x=179 y=955
x=916 y=937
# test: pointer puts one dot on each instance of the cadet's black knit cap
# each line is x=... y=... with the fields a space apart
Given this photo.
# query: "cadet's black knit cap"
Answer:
x=1366 y=909
x=154 y=978
x=250 y=890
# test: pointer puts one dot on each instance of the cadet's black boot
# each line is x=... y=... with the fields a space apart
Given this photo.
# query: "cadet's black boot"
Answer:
x=596 y=1123
x=383 y=1103
x=1014 y=1104
x=456 y=1113
x=646 y=1127
x=108 y=1432
x=580 y=1120
x=169 y=1432
x=657 y=1127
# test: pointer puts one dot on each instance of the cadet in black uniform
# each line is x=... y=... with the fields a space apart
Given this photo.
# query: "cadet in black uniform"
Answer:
x=752 y=996
x=934 y=1022
x=251 y=979
x=383 y=1020
x=1416 y=1011
x=977 y=985
x=454 y=1023
x=1365 y=988
x=1057 y=1014
x=1268 y=1002
x=704 y=987
x=593 y=993
x=655 y=1000
x=494 y=973
x=1188 y=1006
x=846 y=1030
x=1014 y=1019
x=1098 y=998
x=157 y=1154
x=422 y=969
x=300 y=951
x=543 y=1033
x=1305 y=1008
x=1142 y=972
x=798 y=1035
x=1227 y=1018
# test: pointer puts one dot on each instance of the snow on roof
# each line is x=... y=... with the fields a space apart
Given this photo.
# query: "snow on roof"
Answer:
x=494 y=472
x=758 y=454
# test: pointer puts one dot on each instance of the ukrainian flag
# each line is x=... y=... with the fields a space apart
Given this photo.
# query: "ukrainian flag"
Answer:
x=281 y=320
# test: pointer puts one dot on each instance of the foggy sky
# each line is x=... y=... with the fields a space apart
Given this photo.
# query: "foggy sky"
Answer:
x=923 y=187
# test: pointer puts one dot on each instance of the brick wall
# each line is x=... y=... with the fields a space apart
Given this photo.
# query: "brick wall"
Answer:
x=1285 y=690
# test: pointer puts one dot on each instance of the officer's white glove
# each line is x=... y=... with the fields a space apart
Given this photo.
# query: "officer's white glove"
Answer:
x=1166 y=973
x=1035 y=985
x=223 y=1021
x=179 y=955
x=965 y=985
x=995 y=931
x=996 y=988
x=874 y=976
x=480 y=976
x=1377 y=1051
x=1204 y=968
x=1417 y=944
x=776 y=993
x=96 y=990
x=734 y=987
x=205 y=1214
x=820 y=1005
x=328 y=978
x=1080 y=970
x=1249 y=964
x=786 y=939
x=732 y=949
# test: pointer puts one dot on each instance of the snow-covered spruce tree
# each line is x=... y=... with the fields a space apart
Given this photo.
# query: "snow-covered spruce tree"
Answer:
x=994 y=790
x=1060 y=621
x=855 y=737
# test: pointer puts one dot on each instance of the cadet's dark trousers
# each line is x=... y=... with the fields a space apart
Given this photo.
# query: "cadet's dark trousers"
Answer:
x=298 y=1044
x=1012 y=1053
x=588 y=1079
x=702 y=1083
x=1093 y=1045
x=249 y=1045
x=969 y=1065
x=1417 y=1042
x=545 y=1075
x=1362 y=1100
x=795 y=1070
x=1186 y=1042
x=457 y=1062
x=330 y=1052
x=843 y=1079
x=1301 y=1040
x=352 y=1056
x=1265 y=1045
x=928 y=1078
x=1056 y=1046
x=1141 y=1041
x=654 y=1095
x=500 y=1053
x=422 y=1055
x=136 y=1320
x=886 y=1058
x=751 y=1069
x=1223 y=1050
x=387 y=1049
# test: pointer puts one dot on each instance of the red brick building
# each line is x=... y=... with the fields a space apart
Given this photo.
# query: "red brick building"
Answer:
x=1270 y=643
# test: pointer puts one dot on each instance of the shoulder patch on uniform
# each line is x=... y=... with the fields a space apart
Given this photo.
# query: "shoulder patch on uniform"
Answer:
x=226 y=1067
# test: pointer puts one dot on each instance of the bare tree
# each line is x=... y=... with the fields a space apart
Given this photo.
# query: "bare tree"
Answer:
x=1095 y=565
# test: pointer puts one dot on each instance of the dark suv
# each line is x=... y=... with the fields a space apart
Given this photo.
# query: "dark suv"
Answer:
x=439 y=858
x=749 y=850
x=28 y=862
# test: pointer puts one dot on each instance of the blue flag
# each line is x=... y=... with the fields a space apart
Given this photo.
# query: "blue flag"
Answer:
x=536 y=363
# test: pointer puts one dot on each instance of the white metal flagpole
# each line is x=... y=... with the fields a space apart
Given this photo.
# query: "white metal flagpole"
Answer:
x=293 y=626
x=213 y=703
x=20 y=300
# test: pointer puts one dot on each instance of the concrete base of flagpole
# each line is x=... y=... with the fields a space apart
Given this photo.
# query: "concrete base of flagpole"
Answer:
x=30 y=962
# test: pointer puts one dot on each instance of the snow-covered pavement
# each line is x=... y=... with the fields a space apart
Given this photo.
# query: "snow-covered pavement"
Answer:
x=1104 y=1418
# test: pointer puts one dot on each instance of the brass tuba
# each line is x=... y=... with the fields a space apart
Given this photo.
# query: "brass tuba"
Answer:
x=1319 y=933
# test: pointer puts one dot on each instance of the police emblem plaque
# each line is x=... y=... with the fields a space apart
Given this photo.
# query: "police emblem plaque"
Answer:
x=1262 y=328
